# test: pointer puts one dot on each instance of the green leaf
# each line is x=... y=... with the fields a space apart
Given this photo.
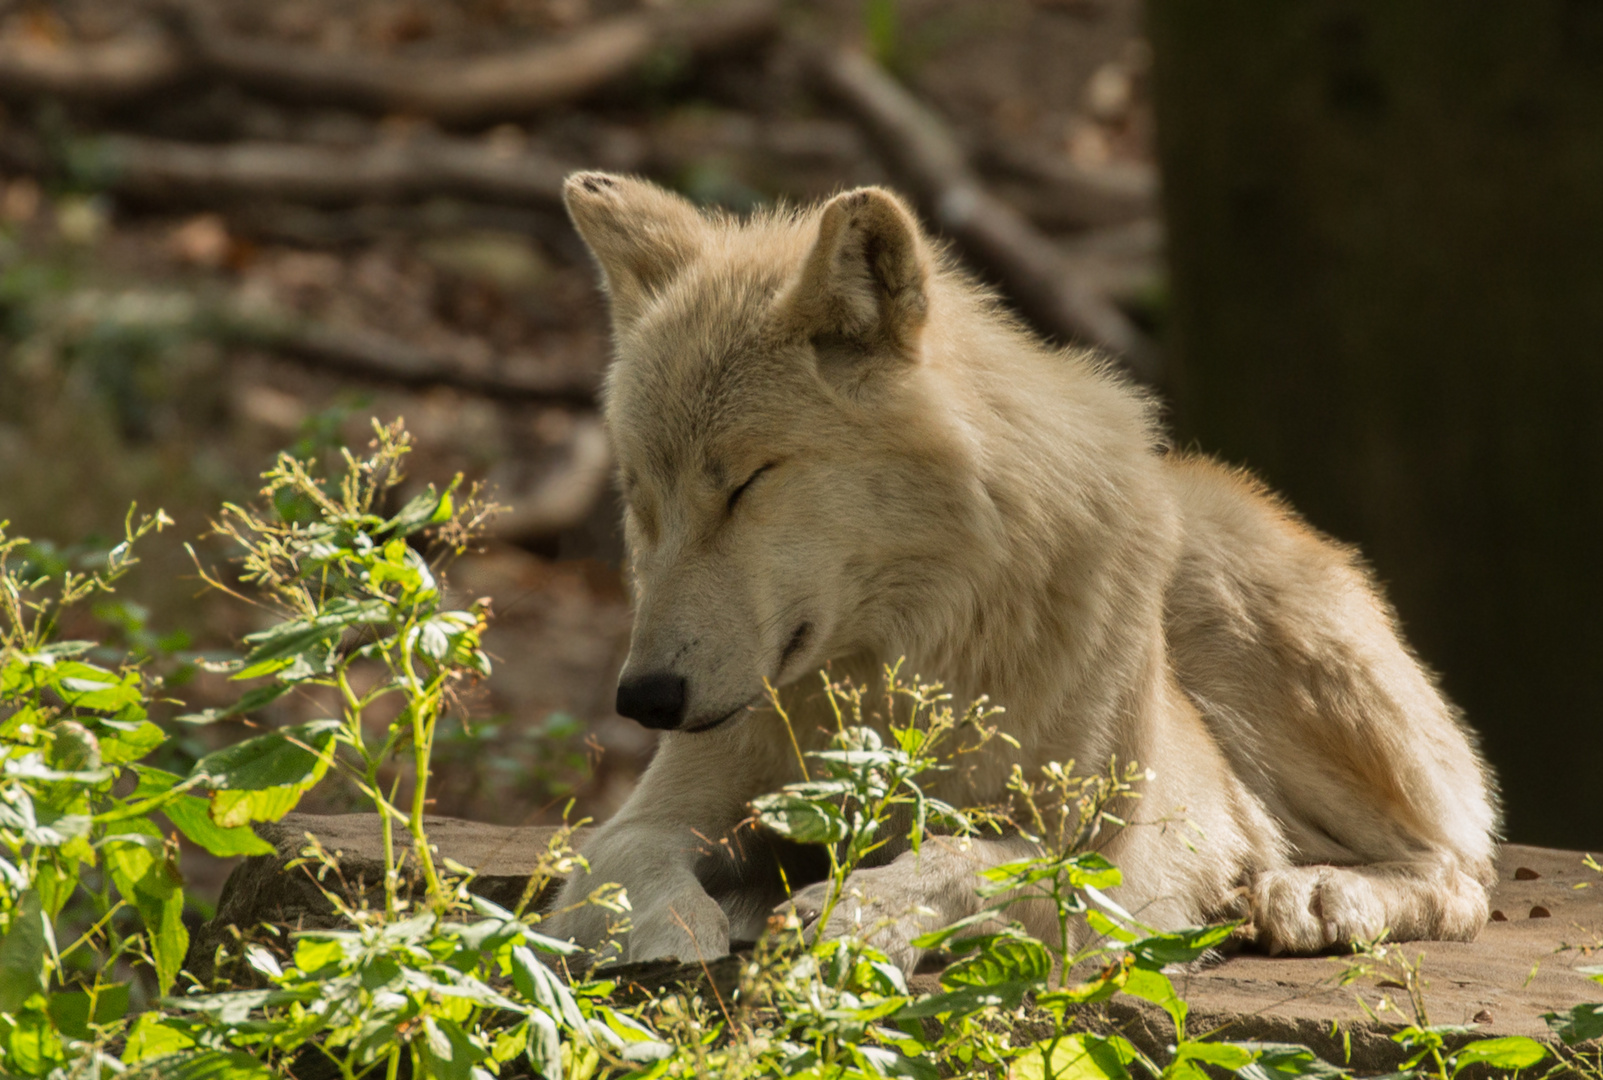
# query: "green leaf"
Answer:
x=448 y=1052
x=191 y=815
x=545 y=1045
x=1580 y=1024
x=1154 y=986
x=70 y=1010
x=216 y=1065
x=1105 y=926
x=145 y=872
x=1273 y=1060
x=883 y=1061
x=85 y=686
x=118 y=746
x=31 y=1045
x=509 y=1043
x=1000 y=959
x=253 y=699
x=314 y=955
x=1104 y=986
x=965 y=1001
x=1074 y=1057
x=540 y=985
x=278 y=646
x=153 y=1036
x=1181 y=946
x=1512 y=1052
x=49 y=829
x=72 y=747
x=22 y=953
x=428 y=508
x=1225 y=1055
x=262 y=779
x=937 y=939
x=800 y=819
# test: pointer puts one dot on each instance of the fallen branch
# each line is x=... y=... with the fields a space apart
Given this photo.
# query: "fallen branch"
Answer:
x=110 y=71
x=474 y=90
x=1058 y=195
x=303 y=225
x=163 y=171
x=565 y=495
x=371 y=355
x=926 y=157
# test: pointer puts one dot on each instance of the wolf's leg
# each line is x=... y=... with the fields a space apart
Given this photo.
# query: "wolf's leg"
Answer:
x=915 y=893
x=671 y=913
x=1308 y=909
x=693 y=795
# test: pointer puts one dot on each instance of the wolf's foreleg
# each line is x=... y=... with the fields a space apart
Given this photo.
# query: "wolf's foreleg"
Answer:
x=692 y=796
x=670 y=912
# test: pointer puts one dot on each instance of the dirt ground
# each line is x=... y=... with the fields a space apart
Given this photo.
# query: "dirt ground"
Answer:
x=92 y=418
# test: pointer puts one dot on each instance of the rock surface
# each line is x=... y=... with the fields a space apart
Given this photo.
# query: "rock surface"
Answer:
x=1522 y=965
x=263 y=889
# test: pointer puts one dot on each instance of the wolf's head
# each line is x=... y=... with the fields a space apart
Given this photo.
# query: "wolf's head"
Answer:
x=774 y=441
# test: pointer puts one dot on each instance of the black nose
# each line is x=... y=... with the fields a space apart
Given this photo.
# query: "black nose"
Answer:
x=657 y=701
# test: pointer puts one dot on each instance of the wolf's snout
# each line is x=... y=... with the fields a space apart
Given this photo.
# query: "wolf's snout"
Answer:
x=657 y=701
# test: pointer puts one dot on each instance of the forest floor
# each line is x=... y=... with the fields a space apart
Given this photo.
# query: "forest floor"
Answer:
x=114 y=386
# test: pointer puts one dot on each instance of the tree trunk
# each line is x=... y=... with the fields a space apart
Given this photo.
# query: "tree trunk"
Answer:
x=1386 y=239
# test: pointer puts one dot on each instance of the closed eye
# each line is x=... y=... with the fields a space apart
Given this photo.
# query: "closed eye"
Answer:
x=734 y=496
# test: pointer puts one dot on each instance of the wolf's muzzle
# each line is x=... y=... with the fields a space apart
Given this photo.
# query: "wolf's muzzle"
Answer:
x=656 y=701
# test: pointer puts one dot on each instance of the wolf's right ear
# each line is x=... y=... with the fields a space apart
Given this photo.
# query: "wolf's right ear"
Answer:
x=863 y=293
x=640 y=234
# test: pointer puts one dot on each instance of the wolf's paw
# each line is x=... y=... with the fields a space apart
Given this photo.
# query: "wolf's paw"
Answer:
x=883 y=906
x=690 y=927
x=1309 y=909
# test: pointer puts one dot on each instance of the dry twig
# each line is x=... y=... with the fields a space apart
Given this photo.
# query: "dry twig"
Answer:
x=481 y=89
x=1059 y=195
x=164 y=171
x=372 y=355
x=466 y=90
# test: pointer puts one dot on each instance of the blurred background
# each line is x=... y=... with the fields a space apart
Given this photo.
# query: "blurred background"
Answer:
x=1356 y=247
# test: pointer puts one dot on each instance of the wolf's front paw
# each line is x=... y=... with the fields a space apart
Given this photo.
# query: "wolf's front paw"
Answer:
x=1308 y=909
x=883 y=906
x=690 y=927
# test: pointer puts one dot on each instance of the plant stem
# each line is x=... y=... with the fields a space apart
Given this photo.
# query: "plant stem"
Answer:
x=423 y=709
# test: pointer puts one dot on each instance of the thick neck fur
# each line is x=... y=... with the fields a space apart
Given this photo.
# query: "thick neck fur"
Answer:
x=1050 y=536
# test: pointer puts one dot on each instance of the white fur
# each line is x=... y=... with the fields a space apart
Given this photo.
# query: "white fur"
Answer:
x=947 y=489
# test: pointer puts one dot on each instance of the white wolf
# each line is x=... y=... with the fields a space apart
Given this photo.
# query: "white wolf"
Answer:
x=835 y=448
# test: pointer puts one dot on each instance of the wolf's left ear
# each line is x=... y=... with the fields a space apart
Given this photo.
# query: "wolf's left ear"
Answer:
x=862 y=294
x=641 y=235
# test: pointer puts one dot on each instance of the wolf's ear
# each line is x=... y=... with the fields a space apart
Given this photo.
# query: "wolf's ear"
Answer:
x=640 y=234
x=862 y=293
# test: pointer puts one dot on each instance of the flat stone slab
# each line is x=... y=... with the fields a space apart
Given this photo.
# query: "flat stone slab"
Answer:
x=1548 y=921
x=262 y=889
x=1520 y=966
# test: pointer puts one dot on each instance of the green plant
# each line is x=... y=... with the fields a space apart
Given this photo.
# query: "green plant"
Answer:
x=1431 y=1047
x=350 y=596
x=1580 y=1030
x=77 y=853
x=426 y=979
x=356 y=599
